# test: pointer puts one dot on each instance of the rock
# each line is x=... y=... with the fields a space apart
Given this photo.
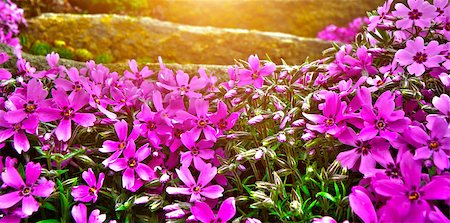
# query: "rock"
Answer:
x=145 y=39
x=40 y=63
x=298 y=17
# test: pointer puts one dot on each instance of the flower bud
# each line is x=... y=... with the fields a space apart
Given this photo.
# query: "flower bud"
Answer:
x=258 y=155
x=281 y=137
x=256 y=119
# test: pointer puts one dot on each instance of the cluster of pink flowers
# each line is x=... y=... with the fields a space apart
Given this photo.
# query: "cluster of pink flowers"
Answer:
x=401 y=148
x=345 y=34
x=11 y=17
x=384 y=101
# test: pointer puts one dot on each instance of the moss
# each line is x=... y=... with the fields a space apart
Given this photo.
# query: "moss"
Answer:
x=83 y=55
x=104 y=58
x=41 y=48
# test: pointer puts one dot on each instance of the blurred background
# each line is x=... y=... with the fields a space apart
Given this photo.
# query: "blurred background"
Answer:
x=218 y=31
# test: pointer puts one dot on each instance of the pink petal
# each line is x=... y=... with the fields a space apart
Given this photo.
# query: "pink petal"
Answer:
x=118 y=164
x=202 y=212
x=121 y=130
x=185 y=175
x=362 y=205
x=79 y=213
x=10 y=199
x=212 y=192
x=206 y=175
x=144 y=172
x=84 y=119
x=437 y=189
x=48 y=114
x=29 y=205
x=44 y=188
x=12 y=178
x=32 y=172
x=227 y=210
x=178 y=190
x=21 y=142
x=128 y=178
x=64 y=130
x=389 y=188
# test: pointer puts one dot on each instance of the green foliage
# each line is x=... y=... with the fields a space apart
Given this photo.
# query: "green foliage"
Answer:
x=104 y=58
x=41 y=48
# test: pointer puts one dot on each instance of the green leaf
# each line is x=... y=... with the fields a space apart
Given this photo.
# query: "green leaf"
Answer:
x=49 y=221
x=49 y=206
x=326 y=195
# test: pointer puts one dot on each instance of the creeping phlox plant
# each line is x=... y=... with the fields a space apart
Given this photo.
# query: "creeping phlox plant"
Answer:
x=361 y=135
x=343 y=34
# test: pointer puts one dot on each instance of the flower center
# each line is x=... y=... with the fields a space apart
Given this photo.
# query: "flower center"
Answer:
x=329 y=122
x=17 y=126
x=197 y=189
x=433 y=145
x=177 y=133
x=392 y=171
x=202 y=123
x=151 y=125
x=381 y=124
x=132 y=162
x=96 y=100
x=447 y=26
x=255 y=76
x=68 y=113
x=123 y=100
x=420 y=57
x=92 y=190
x=26 y=191
x=77 y=86
x=122 y=145
x=380 y=82
x=413 y=196
x=222 y=124
x=30 y=107
x=194 y=151
x=414 y=14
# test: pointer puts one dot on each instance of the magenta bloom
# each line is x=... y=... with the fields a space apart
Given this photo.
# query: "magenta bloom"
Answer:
x=25 y=191
x=363 y=63
x=417 y=56
x=382 y=119
x=199 y=188
x=442 y=104
x=4 y=74
x=332 y=120
x=135 y=74
x=17 y=131
x=88 y=193
x=255 y=74
x=67 y=111
x=198 y=152
x=410 y=198
x=435 y=144
x=28 y=104
x=367 y=152
x=131 y=163
x=202 y=121
x=109 y=146
x=362 y=205
x=79 y=214
x=203 y=213
x=184 y=87
x=420 y=13
x=76 y=83
x=221 y=119
x=152 y=125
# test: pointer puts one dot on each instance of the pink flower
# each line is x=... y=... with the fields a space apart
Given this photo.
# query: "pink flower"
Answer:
x=417 y=56
x=420 y=13
x=79 y=214
x=25 y=191
x=135 y=74
x=221 y=119
x=198 y=188
x=4 y=74
x=67 y=111
x=131 y=163
x=18 y=130
x=184 y=87
x=362 y=205
x=255 y=74
x=88 y=193
x=198 y=152
x=201 y=121
x=203 y=212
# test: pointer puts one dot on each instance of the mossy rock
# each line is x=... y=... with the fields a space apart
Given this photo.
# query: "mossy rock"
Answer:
x=298 y=17
x=125 y=37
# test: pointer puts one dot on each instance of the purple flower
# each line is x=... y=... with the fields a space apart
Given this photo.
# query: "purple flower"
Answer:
x=435 y=144
x=109 y=146
x=420 y=13
x=442 y=103
x=184 y=87
x=203 y=212
x=368 y=152
x=152 y=125
x=4 y=74
x=201 y=121
x=28 y=104
x=197 y=152
x=79 y=214
x=18 y=130
x=362 y=205
x=221 y=119
x=135 y=74
x=88 y=193
x=25 y=191
x=332 y=120
x=417 y=56
x=255 y=74
x=67 y=111
x=363 y=63
x=382 y=119
x=410 y=197
x=131 y=163
x=198 y=188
